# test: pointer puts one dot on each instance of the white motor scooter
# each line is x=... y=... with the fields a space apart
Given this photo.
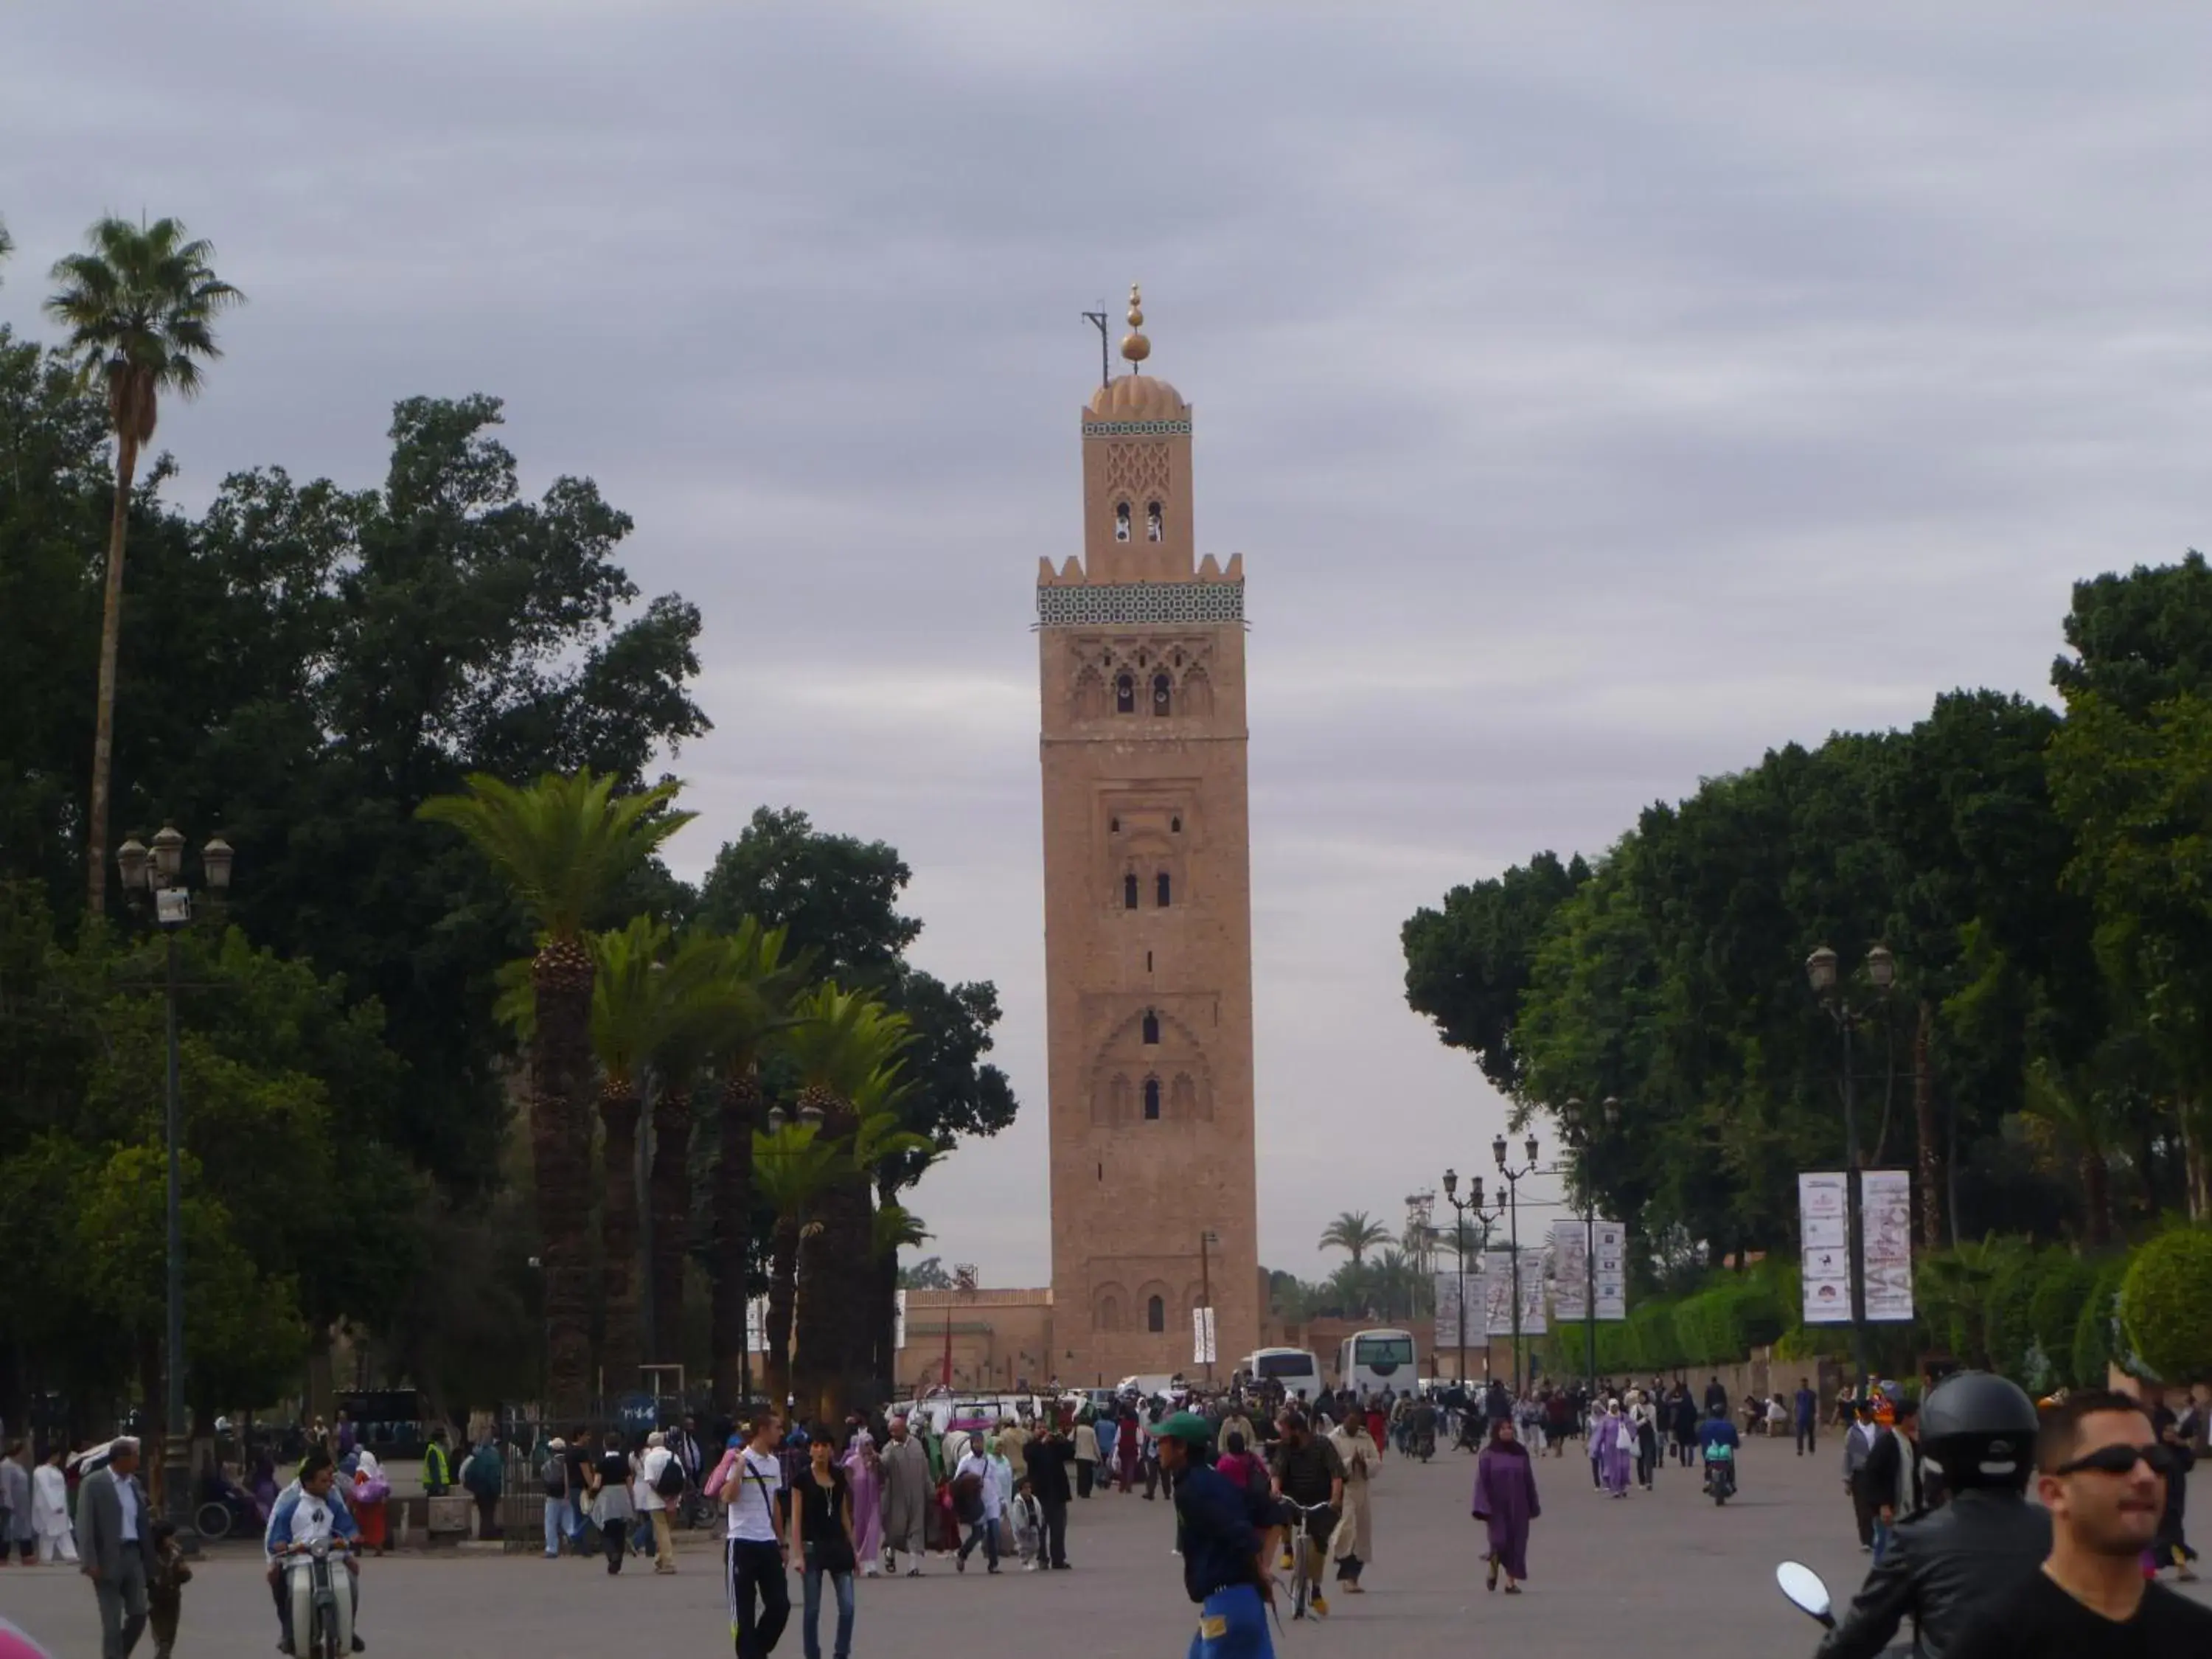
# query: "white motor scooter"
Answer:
x=322 y=1602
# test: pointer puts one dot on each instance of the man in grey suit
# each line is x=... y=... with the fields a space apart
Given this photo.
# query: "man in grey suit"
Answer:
x=115 y=1544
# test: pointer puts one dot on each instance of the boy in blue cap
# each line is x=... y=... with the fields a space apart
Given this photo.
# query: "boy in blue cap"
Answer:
x=1221 y=1531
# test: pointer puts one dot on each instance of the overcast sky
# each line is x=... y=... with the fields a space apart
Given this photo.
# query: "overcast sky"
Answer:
x=1600 y=396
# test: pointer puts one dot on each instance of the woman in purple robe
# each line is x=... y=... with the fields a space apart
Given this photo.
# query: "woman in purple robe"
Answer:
x=1616 y=1447
x=1505 y=1497
x=864 y=1473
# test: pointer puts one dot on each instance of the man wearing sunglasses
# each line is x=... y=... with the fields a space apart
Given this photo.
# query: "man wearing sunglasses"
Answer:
x=1939 y=1570
x=2101 y=1472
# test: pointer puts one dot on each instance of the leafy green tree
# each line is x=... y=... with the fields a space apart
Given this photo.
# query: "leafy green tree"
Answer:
x=2165 y=1305
x=562 y=845
x=927 y=1274
x=140 y=307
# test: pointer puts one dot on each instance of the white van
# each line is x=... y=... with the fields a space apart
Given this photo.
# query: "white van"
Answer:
x=1296 y=1369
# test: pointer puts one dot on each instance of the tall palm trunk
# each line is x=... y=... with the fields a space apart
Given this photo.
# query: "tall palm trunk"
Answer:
x=560 y=1071
x=1923 y=1129
x=829 y=1328
x=738 y=1111
x=670 y=1188
x=110 y=635
x=623 y=1349
x=782 y=1291
x=2096 y=1199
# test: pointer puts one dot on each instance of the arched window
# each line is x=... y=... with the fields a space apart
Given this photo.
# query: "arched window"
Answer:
x=1175 y=826
x=1163 y=696
x=1153 y=1098
x=1164 y=889
x=1110 y=1312
x=1125 y=693
x=1122 y=521
x=1156 y=1314
x=1155 y=523
x=1151 y=1027
x=1129 y=892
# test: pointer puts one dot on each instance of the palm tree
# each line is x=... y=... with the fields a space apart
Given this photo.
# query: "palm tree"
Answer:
x=756 y=986
x=793 y=1164
x=140 y=307
x=2071 y=1117
x=1355 y=1232
x=563 y=846
x=843 y=1045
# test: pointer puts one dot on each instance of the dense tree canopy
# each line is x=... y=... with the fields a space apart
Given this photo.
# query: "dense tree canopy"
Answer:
x=2038 y=878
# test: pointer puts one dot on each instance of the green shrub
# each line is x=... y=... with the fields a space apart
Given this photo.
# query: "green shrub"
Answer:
x=2093 y=1332
x=2062 y=1289
x=2166 y=1307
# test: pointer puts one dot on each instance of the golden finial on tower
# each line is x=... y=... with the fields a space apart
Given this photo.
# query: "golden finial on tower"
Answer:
x=1134 y=346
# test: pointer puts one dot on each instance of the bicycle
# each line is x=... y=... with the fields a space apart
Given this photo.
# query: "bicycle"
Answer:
x=1311 y=1555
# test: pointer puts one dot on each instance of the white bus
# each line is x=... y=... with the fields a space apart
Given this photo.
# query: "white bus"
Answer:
x=1368 y=1362
x=1296 y=1369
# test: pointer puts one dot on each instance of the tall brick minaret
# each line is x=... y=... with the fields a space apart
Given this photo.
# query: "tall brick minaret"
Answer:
x=1148 y=907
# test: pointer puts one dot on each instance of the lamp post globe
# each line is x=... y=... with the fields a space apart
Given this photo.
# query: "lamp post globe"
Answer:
x=1820 y=969
x=1881 y=968
x=1497 y=1151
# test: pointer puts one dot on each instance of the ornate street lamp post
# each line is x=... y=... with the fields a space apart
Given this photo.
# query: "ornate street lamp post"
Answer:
x=1578 y=1139
x=153 y=877
x=1471 y=1203
x=1821 y=971
x=1513 y=1208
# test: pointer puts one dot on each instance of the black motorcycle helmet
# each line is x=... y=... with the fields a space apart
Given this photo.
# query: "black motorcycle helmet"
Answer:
x=1978 y=1429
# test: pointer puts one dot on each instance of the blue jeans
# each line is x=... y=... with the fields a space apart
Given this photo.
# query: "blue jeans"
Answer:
x=556 y=1525
x=987 y=1533
x=1232 y=1624
x=810 y=1631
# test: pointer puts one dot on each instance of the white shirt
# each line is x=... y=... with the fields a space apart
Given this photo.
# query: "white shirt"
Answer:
x=311 y=1520
x=757 y=1476
x=642 y=1489
x=126 y=1494
x=979 y=1465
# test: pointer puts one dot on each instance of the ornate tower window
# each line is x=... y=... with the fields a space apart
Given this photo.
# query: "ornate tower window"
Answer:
x=1125 y=693
x=1156 y=1314
x=1129 y=892
x=1175 y=826
x=1155 y=523
x=1121 y=521
x=1152 y=1099
x=1151 y=1028
x=1163 y=890
x=1162 y=694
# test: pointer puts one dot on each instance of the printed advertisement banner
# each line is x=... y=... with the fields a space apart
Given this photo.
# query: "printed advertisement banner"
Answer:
x=1571 y=1277
x=1886 y=1228
x=1612 y=1270
x=1822 y=1212
x=1201 y=1331
x=1498 y=1293
x=899 y=1319
x=1448 y=1335
x=1535 y=1270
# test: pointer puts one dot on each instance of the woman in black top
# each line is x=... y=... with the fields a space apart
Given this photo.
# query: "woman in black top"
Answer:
x=822 y=1535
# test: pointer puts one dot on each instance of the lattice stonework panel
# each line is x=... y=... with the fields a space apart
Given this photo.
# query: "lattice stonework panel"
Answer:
x=1122 y=604
x=1136 y=428
x=1136 y=470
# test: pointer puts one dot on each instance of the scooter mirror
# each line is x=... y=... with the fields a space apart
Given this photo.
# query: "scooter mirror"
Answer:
x=1805 y=1589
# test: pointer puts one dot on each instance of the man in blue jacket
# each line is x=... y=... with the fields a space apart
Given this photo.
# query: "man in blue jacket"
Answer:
x=1222 y=1549
x=312 y=1508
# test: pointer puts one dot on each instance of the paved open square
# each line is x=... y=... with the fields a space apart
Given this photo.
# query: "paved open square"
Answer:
x=1656 y=1575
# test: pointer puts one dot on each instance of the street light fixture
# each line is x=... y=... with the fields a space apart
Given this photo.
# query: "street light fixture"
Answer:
x=1513 y=1209
x=1820 y=972
x=153 y=876
x=1474 y=1203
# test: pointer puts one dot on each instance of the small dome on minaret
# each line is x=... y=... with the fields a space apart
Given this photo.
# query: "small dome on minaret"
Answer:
x=1137 y=396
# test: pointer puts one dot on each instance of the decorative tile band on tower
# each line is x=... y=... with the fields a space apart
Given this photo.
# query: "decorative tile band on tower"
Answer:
x=1136 y=428
x=1126 y=605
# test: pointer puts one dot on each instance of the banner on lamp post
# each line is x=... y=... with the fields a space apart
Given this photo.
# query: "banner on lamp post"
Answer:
x=1886 y=1242
x=1498 y=1293
x=899 y=1319
x=1535 y=1267
x=1570 y=1272
x=1201 y=1330
x=1611 y=1240
x=1448 y=1319
x=1823 y=1215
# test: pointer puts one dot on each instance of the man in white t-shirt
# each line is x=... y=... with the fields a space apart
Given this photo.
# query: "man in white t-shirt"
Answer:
x=652 y=1471
x=975 y=1503
x=758 y=1553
